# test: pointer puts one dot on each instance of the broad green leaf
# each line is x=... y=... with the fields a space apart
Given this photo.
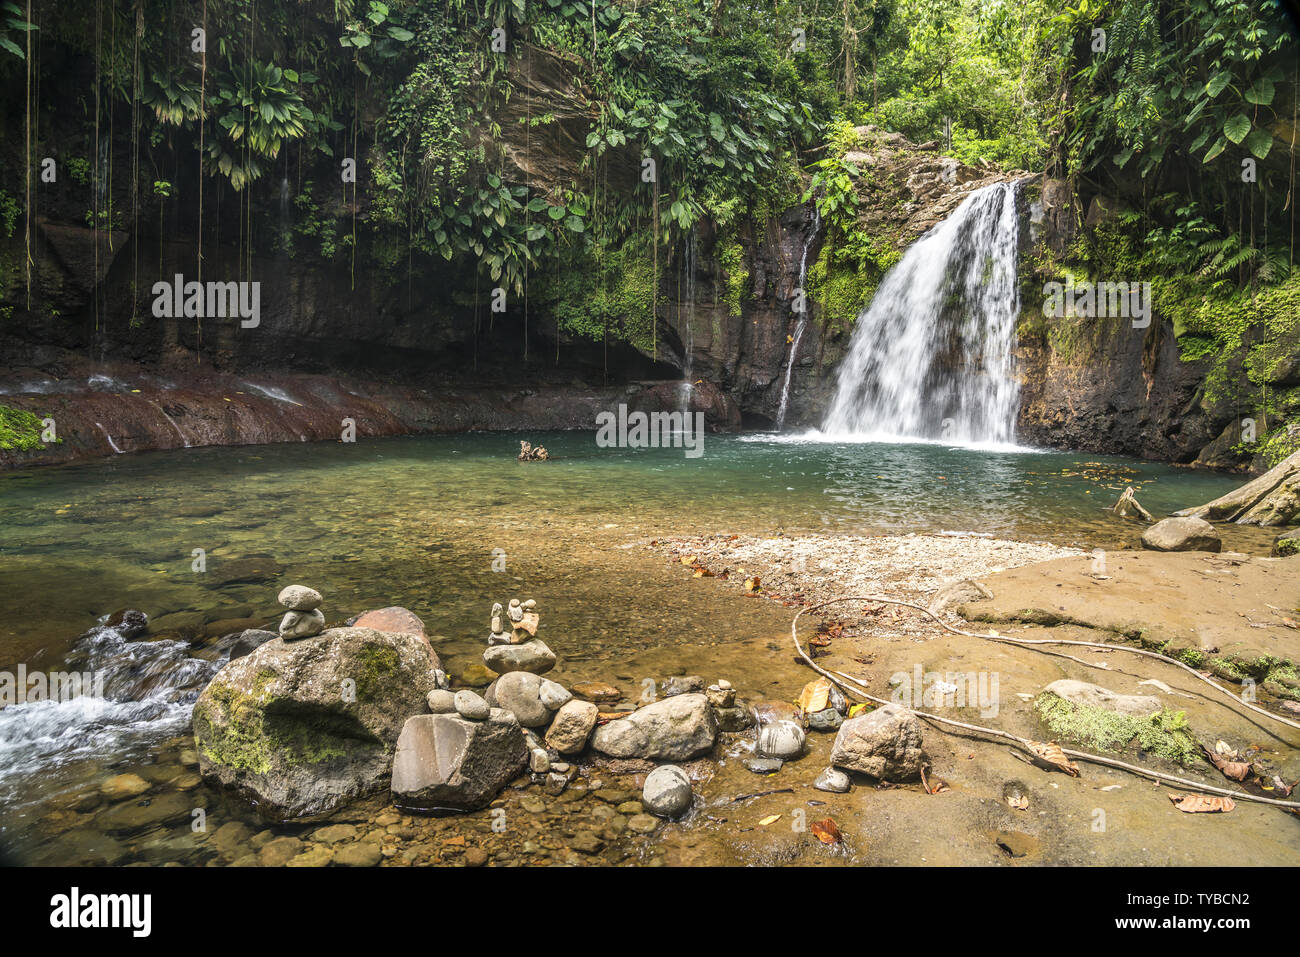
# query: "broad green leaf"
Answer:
x=1217 y=83
x=1261 y=93
x=1236 y=128
x=1259 y=142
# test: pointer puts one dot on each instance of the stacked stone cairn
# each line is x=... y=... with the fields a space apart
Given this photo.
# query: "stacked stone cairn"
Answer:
x=304 y=618
x=520 y=658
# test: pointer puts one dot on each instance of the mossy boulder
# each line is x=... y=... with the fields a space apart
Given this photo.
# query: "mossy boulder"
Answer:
x=1102 y=729
x=301 y=727
x=1287 y=544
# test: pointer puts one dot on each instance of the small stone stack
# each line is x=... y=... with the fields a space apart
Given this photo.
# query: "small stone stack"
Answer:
x=518 y=648
x=722 y=698
x=304 y=618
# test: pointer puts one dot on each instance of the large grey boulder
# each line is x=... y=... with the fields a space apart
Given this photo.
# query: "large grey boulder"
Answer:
x=1182 y=535
x=447 y=762
x=300 y=727
x=1082 y=692
x=674 y=729
x=885 y=743
x=532 y=656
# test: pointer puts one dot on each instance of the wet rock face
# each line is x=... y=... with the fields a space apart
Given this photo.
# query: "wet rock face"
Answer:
x=301 y=727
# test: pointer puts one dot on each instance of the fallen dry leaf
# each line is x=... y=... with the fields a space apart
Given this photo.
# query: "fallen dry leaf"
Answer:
x=770 y=819
x=826 y=832
x=814 y=696
x=1200 y=804
x=1233 y=770
x=1018 y=801
x=1051 y=755
x=753 y=584
x=689 y=559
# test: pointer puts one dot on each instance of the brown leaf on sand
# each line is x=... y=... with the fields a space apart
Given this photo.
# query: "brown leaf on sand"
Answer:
x=819 y=641
x=702 y=572
x=1200 y=804
x=753 y=584
x=1050 y=757
x=1018 y=801
x=826 y=832
x=689 y=559
x=814 y=696
x=1233 y=770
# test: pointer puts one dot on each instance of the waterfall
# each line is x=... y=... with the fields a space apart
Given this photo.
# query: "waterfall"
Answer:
x=931 y=356
x=800 y=309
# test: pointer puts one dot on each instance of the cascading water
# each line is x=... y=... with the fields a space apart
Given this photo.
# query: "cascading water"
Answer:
x=931 y=357
x=800 y=307
x=688 y=339
x=141 y=691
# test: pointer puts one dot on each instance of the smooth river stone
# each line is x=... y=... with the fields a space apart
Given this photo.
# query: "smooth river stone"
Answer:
x=533 y=656
x=300 y=598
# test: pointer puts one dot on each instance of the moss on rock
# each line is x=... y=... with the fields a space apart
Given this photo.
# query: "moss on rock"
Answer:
x=1163 y=733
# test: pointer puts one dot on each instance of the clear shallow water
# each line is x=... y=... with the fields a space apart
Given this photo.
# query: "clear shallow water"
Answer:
x=418 y=522
x=401 y=520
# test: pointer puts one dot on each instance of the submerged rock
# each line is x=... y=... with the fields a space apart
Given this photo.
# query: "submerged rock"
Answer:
x=446 y=762
x=302 y=727
x=667 y=791
x=129 y=623
x=1182 y=535
x=885 y=743
x=246 y=642
x=761 y=765
x=675 y=729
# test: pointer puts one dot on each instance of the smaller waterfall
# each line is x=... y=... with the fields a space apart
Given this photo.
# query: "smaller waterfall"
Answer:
x=109 y=437
x=931 y=357
x=800 y=309
x=688 y=339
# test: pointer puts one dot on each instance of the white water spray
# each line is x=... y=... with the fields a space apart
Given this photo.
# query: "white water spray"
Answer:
x=931 y=356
